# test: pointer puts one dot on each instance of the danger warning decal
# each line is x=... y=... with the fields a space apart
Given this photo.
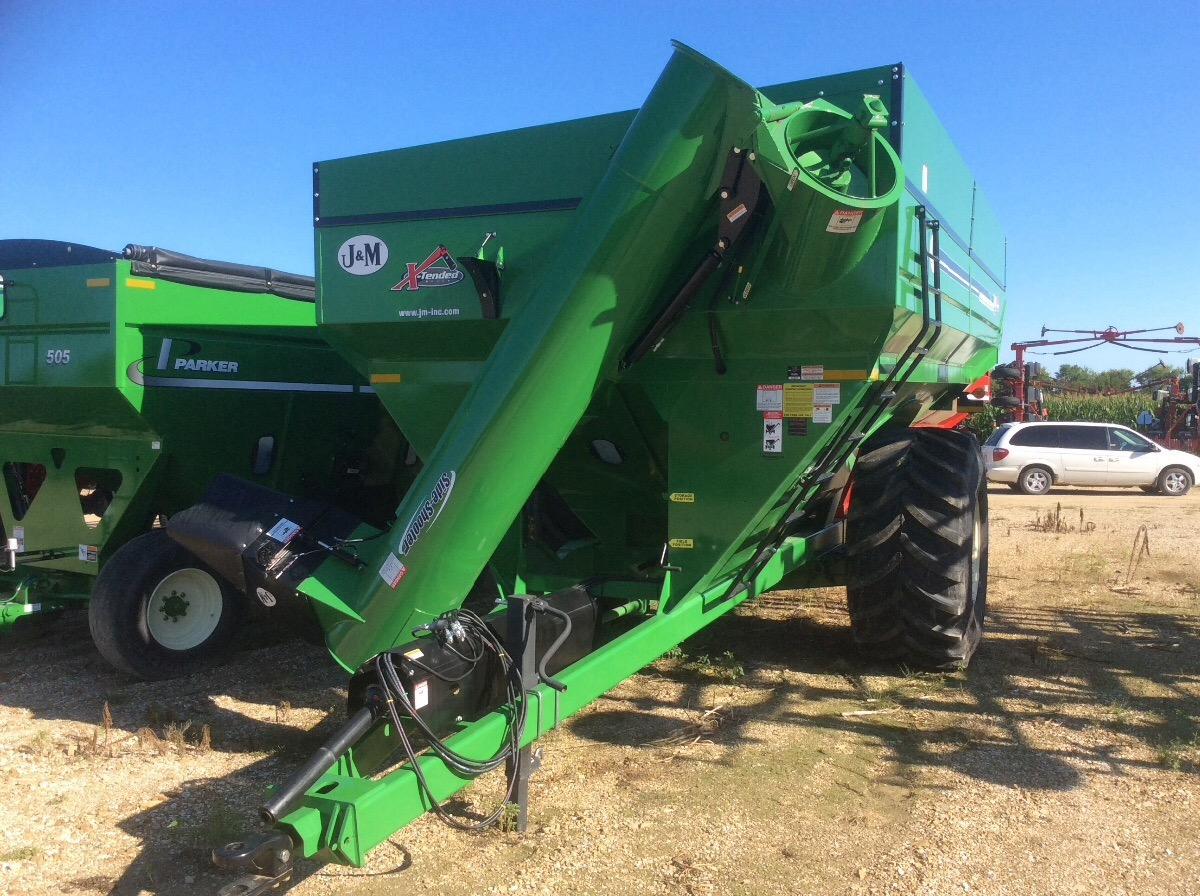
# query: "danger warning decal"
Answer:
x=439 y=269
x=769 y=398
x=844 y=221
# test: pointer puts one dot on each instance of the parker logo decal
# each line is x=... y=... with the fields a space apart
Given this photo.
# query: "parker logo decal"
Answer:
x=429 y=510
x=362 y=255
x=185 y=359
x=439 y=269
x=178 y=357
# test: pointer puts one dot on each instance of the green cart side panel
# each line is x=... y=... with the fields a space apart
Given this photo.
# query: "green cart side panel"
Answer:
x=163 y=385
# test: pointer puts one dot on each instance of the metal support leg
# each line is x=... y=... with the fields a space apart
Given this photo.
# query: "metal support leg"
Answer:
x=522 y=640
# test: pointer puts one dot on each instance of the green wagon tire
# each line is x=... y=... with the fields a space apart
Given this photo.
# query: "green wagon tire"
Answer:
x=157 y=612
x=917 y=542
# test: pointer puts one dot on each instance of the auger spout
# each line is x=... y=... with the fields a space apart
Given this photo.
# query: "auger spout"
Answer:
x=529 y=396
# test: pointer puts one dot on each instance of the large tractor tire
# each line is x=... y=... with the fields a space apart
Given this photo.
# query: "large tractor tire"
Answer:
x=158 y=612
x=917 y=542
x=1006 y=372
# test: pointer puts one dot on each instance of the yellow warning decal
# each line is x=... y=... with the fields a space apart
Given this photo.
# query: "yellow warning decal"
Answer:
x=683 y=497
x=797 y=400
x=386 y=378
x=681 y=543
x=98 y=282
x=134 y=283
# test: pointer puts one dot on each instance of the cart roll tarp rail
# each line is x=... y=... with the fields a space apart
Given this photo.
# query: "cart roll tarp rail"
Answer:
x=22 y=254
x=150 y=261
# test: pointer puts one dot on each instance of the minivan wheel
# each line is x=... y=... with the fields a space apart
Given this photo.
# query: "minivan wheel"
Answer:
x=1035 y=480
x=1174 y=482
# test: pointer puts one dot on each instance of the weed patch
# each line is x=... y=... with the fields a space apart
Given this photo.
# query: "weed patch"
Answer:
x=20 y=854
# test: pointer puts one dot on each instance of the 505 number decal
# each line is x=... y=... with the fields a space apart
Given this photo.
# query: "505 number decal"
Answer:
x=55 y=356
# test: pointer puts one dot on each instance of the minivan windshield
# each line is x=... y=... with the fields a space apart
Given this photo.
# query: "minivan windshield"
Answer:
x=997 y=435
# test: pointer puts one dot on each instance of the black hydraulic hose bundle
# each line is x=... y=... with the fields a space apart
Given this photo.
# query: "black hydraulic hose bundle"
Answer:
x=480 y=640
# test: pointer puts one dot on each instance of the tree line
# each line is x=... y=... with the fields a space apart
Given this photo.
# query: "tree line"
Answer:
x=1075 y=377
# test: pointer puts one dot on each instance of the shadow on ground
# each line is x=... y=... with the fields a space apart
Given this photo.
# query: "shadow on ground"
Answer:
x=56 y=673
x=1131 y=673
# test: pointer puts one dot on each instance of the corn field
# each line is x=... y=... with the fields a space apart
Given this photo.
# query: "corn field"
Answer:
x=1123 y=409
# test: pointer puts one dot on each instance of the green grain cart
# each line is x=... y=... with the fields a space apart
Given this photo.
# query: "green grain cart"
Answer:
x=129 y=382
x=656 y=363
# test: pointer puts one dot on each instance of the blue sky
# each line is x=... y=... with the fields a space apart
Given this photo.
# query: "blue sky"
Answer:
x=193 y=125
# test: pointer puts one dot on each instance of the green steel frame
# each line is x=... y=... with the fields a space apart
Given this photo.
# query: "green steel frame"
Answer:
x=348 y=813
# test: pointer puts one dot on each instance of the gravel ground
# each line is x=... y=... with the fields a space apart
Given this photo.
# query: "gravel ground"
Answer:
x=766 y=758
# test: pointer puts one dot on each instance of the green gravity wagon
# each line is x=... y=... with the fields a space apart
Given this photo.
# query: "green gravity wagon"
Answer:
x=129 y=382
x=655 y=363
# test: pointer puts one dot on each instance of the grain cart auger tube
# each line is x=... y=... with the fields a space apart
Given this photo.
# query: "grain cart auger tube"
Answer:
x=639 y=354
x=130 y=379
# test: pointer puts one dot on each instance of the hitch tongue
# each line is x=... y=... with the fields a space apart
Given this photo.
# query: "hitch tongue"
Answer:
x=292 y=792
x=265 y=861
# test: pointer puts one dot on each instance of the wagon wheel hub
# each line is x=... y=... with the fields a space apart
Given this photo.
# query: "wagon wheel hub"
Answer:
x=174 y=606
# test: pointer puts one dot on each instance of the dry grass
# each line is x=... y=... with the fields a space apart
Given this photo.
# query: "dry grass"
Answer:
x=762 y=757
x=1054 y=521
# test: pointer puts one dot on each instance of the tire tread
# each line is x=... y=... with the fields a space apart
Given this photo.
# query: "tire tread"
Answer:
x=909 y=540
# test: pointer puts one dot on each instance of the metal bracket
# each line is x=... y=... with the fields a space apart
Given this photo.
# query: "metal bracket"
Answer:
x=523 y=612
x=486 y=277
x=266 y=862
x=522 y=639
x=741 y=191
x=256 y=885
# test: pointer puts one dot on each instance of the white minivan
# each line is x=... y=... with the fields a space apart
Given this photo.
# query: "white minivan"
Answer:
x=1032 y=457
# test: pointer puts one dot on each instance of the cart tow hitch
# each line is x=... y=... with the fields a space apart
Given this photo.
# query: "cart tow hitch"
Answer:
x=264 y=861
